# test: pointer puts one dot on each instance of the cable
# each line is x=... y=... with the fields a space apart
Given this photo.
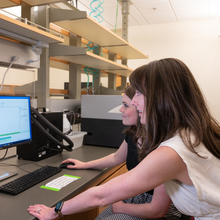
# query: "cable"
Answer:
x=52 y=128
x=87 y=70
x=19 y=166
x=93 y=47
x=95 y=72
x=97 y=11
x=92 y=71
x=37 y=51
x=14 y=59
x=5 y=154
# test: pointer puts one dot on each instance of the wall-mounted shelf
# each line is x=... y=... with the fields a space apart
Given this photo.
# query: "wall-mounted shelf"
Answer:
x=83 y=57
x=8 y=3
x=26 y=30
x=83 y=25
x=79 y=23
x=127 y=51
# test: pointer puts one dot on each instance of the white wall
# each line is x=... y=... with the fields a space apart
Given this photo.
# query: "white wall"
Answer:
x=13 y=76
x=196 y=43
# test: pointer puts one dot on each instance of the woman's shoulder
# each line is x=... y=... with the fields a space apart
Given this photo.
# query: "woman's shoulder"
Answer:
x=173 y=141
x=128 y=138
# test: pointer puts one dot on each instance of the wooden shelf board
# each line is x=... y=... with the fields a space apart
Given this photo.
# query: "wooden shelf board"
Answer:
x=128 y=52
x=26 y=30
x=93 y=33
x=8 y=3
x=126 y=72
x=93 y=61
x=82 y=57
x=83 y=25
x=40 y=2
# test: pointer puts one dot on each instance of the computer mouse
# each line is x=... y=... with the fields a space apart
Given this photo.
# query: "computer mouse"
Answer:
x=64 y=165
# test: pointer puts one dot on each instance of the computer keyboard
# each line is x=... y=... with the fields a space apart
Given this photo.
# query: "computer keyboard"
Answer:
x=22 y=183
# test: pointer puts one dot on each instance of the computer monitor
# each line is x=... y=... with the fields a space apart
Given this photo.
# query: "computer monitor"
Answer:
x=15 y=119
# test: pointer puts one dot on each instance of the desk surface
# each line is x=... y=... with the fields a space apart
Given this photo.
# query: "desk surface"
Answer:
x=15 y=207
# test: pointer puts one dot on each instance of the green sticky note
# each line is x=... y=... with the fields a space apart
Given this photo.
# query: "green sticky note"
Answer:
x=50 y=188
x=72 y=176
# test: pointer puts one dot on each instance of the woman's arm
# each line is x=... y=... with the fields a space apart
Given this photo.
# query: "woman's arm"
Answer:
x=109 y=161
x=158 y=167
x=158 y=207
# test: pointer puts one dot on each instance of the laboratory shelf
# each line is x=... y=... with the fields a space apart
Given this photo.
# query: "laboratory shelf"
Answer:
x=8 y=3
x=79 y=23
x=26 y=30
x=81 y=56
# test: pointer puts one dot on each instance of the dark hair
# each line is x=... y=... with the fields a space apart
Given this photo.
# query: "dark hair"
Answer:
x=134 y=131
x=174 y=103
x=129 y=91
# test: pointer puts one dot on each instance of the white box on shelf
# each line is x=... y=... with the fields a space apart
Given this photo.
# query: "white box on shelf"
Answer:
x=76 y=138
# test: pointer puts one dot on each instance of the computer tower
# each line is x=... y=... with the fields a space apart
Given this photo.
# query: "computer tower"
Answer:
x=41 y=147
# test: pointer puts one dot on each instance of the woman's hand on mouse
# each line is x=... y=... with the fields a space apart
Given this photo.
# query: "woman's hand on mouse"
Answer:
x=78 y=164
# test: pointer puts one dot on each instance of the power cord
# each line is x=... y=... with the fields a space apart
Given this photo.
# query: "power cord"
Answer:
x=5 y=154
x=19 y=166
x=14 y=59
x=36 y=51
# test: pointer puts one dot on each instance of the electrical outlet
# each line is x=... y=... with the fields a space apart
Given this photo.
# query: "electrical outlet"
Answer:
x=15 y=58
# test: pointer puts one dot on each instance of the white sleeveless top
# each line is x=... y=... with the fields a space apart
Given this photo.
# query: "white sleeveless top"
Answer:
x=202 y=199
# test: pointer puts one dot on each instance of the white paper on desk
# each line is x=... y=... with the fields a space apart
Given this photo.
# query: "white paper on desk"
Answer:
x=62 y=181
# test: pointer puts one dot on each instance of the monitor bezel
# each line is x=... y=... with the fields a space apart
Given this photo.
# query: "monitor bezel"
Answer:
x=26 y=141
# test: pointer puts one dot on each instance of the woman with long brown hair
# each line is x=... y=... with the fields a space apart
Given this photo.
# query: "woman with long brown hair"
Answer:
x=152 y=204
x=181 y=148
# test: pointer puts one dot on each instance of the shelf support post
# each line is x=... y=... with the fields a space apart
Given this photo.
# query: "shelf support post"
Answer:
x=97 y=81
x=25 y=11
x=125 y=14
x=74 y=71
x=123 y=78
x=112 y=77
x=43 y=85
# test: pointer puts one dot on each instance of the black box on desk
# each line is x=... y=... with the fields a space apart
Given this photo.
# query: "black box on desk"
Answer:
x=101 y=119
x=41 y=147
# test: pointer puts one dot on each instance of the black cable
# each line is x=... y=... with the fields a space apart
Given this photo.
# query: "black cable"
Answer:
x=53 y=128
x=5 y=154
x=18 y=166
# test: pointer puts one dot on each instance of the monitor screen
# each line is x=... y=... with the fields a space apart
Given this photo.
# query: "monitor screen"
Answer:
x=15 y=119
